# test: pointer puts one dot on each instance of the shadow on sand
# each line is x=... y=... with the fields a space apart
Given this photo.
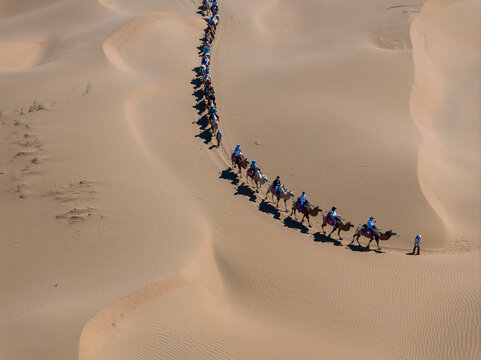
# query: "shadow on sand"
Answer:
x=245 y=190
x=206 y=136
x=228 y=174
x=267 y=208
x=295 y=224
x=318 y=237
x=363 y=249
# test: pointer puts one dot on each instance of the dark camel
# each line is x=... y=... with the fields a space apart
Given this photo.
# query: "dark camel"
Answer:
x=306 y=211
x=241 y=163
x=340 y=226
x=378 y=235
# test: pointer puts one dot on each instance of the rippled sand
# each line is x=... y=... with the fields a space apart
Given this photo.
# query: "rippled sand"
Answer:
x=124 y=235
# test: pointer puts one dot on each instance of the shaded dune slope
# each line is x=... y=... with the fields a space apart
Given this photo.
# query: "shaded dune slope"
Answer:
x=446 y=109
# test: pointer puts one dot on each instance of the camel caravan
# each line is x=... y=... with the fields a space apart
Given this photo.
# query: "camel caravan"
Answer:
x=253 y=173
x=303 y=206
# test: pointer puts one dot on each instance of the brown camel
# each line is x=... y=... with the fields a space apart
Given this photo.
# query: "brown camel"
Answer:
x=378 y=235
x=283 y=193
x=241 y=162
x=306 y=211
x=340 y=226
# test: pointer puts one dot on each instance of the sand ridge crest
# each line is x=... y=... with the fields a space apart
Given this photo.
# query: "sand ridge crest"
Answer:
x=22 y=55
x=446 y=168
x=112 y=46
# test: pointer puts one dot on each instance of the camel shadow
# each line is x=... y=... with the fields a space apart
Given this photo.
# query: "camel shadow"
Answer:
x=200 y=107
x=199 y=94
x=269 y=209
x=245 y=190
x=228 y=174
x=363 y=249
x=203 y=122
x=318 y=237
x=196 y=82
x=206 y=136
x=294 y=224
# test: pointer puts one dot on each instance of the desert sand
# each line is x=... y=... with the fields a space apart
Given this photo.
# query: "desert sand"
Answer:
x=125 y=235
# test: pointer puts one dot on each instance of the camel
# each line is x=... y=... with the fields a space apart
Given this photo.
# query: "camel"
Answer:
x=378 y=235
x=259 y=179
x=340 y=226
x=283 y=193
x=214 y=125
x=306 y=211
x=241 y=162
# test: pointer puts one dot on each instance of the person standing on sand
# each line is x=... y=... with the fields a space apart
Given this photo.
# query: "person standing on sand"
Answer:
x=219 y=137
x=417 y=244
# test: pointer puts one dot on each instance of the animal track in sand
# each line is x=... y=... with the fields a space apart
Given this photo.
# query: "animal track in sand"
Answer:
x=77 y=214
x=82 y=190
x=22 y=55
x=76 y=195
x=142 y=44
x=22 y=155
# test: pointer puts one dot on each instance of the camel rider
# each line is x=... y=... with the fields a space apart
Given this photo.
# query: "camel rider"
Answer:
x=253 y=168
x=237 y=150
x=276 y=185
x=371 y=224
x=237 y=153
x=302 y=200
x=334 y=216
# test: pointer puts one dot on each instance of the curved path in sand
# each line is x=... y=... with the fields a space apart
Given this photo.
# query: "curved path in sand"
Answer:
x=173 y=259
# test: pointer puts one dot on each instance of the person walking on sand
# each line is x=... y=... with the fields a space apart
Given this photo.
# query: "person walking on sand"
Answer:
x=417 y=244
x=219 y=137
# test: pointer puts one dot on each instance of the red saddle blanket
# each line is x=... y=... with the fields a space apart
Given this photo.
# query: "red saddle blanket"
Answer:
x=300 y=207
x=330 y=221
x=367 y=233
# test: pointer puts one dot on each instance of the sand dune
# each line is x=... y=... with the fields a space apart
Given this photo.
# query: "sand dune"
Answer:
x=393 y=25
x=146 y=6
x=126 y=235
x=138 y=45
x=443 y=107
x=21 y=55
x=350 y=96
